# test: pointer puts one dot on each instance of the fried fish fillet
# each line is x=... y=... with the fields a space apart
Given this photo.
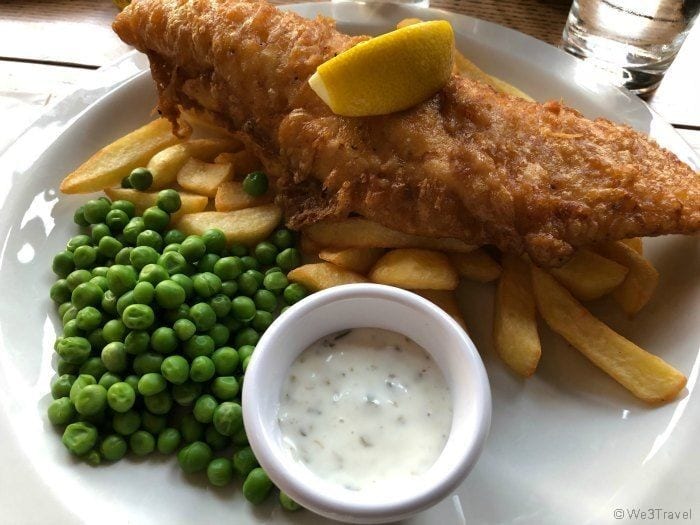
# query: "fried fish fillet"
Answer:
x=469 y=163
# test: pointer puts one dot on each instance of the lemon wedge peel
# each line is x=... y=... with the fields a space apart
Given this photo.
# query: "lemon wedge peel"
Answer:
x=388 y=73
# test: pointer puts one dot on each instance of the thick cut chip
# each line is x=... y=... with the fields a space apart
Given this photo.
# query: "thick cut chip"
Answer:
x=243 y=162
x=589 y=276
x=636 y=244
x=190 y=203
x=203 y=177
x=447 y=300
x=476 y=266
x=115 y=161
x=231 y=196
x=515 y=334
x=307 y=246
x=357 y=232
x=203 y=126
x=641 y=281
x=356 y=259
x=249 y=226
x=166 y=164
x=648 y=377
x=414 y=268
x=320 y=276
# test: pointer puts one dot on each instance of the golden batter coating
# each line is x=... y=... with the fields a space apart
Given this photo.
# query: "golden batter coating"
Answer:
x=469 y=163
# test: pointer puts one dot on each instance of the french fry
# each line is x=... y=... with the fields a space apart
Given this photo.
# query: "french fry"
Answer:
x=190 y=203
x=115 y=161
x=647 y=376
x=476 y=266
x=202 y=125
x=356 y=259
x=641 y=281
x=413 y=268
x=635 y=243
x=166 y=164
x=307 y=246
x=230 y=196
x=446 y=300
x=248 y=226
x=203 y=178
x=465 y=67
x=320 y=276
x=515 y=334
x=588 y=275
x=243 y=162
x=357 y=232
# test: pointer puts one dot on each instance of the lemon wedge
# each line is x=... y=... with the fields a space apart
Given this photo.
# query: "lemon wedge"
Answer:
x=388 y=73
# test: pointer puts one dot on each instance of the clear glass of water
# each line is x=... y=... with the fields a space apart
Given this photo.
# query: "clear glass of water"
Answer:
x=633 y=41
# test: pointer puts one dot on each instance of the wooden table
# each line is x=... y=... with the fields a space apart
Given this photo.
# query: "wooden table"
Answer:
x=49 y=48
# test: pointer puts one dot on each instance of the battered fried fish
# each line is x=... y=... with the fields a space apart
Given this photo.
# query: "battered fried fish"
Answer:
x=469 y=163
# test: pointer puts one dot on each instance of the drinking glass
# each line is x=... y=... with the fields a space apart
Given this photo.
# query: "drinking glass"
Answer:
x=633 y=41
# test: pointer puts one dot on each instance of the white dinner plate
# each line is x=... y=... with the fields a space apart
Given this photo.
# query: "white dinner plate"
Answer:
x=567 y=446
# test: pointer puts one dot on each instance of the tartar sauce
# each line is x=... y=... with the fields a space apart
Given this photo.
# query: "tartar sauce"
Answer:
x=365 y=407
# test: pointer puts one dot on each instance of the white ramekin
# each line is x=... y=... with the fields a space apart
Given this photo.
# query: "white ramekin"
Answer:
x=355 y=306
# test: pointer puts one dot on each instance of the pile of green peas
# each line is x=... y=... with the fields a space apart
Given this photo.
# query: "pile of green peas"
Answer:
x=158 y=330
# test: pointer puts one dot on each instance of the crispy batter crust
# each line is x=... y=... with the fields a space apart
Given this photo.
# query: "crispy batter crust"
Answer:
x=468 y=163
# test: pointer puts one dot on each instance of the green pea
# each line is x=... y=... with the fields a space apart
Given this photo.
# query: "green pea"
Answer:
x=108 y=379
x=126 y=423
x=228 y=418
x=156 y=219
x=98 y=231
x=174 y=236
x=61 y=411
x=175 y=369
x=168 y=440
x=247 y=284
x=124 y=256
x=101 y=282
x=294 y=293
x=193 y=248
x=229 y=288
x=151 y=383
x=173 y=262
x=74 y=350
x=88 y=318
x=141 y=179
x=137 y=342
x=150 y=238
x=172 y=247
x=80 y=382
x=194 y=457
x=185 y=282
x=186 y=393
x=109 y=247
x=147 y=363
x=69 y=316
x=63 y=263
x=225 y=388
x=221 y=305
x=96 y=210
x=142 y=443
x=288 y=503
x=265 y=300
x=225 y=361
x=240 y=438
x=245 y=351
x=283 y=238
x=86 y=294
x=201 y=369
x=70 y=329
x=164 y=340
x=60 y=292
x=184 y=329
x=169 y=200
x=244 y=364
x=246 y=336
x=206 y=284
x=204 y=407
x=144 y=292
x=142 y=256
x=255 y=184
x=114 y=356
x=266 y=252
x=79 y=438
x=121 y=397
x=64 y=367
x=199 y=345
x=77 y=241
x=77 y=277
x=288 y=259
x=214 y=240
x=91 y=400
x=243 y=308
x=244 y=461
x=238 y=250
x=153 y=423
x=117 y=220
x=275 y=282
x=61 y=386
x=132 y=230
x=219 y=334
x=220 y=472
x=79 y=217
x=228 y=268
x=216 y=440
x=64 y=306
x=257 y=486
x=138 y=316
x=207 y=262
x=191 y=429
x=128 y=207
x=120 y=278
x=203 y=316
x=96 y=341
x=153 y=274
x=160 y=403
x=250 y=263
x=125 y=300
x=262 y=320
x=114 y=330
x=133 y=381
x=113 y=447
x=126 y=183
